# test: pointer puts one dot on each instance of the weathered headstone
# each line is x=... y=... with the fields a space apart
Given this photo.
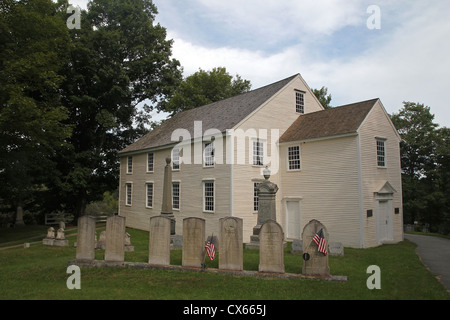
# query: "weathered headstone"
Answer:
x=86 y=238
x=193 y=242
x=271 y=252
x=101 y=243
x=297 y=246
x=50 y=238
x=315 y=262
x=230 y=239
x=60 y=240
x=128 y=246
x=159 y=240
x=266 y=207
x=335 y=249
x=176 y=242
x=115 y=239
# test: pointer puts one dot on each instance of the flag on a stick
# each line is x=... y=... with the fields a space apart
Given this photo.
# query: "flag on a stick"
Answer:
x=210 y=250
x=319 y=239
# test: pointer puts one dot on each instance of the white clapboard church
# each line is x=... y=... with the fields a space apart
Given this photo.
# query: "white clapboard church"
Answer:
x=340 y=166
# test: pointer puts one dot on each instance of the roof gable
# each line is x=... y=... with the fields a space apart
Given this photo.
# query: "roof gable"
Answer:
x=330 y=122
x=220 y=115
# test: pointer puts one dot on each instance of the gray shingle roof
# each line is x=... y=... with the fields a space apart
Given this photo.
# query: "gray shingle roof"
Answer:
x=330 y=122
x=221 y=115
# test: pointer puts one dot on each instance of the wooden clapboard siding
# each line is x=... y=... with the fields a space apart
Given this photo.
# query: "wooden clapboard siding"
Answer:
x=378 y=124
x=327 y=185
x=269 y=122
x=190 y=177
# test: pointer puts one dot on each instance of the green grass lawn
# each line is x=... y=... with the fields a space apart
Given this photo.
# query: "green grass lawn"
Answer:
x=39 y=272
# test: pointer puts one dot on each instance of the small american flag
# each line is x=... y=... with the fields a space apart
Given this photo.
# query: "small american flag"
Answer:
x=210 y=250
x=319 y=239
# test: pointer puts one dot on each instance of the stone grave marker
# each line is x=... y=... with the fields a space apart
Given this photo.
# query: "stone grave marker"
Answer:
x=193 y=242
x=86 y=238
x=271 y=252
x=159 y=240
x=230 y=239
x=297 y=246
x=115 y=239
x=50 y=238
x=315 y=262
x=60 y=240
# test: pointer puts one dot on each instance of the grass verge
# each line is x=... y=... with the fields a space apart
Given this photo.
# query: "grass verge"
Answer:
x=39 y=272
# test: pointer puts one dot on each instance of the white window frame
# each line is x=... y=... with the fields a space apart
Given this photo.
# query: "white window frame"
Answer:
x=255 y=196
x=208 y=159
x=176 y=159
x=152 y=169
x=211 y=182
x=299 y=102
x=147 y=183
x=294 y=161
x=129 y=194
x=258 y=147
x=178 y=196
x=381 y=152
x=129 y=164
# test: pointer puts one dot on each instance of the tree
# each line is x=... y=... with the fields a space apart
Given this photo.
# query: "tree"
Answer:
x=205 y=87
x=119 y=58
x=33 y=49
x=323 y=96
x=424 y=160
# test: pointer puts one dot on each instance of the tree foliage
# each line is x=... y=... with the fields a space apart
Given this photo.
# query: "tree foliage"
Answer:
x=34 y=45
x=323 y=96
x=69 y=97
x=425 y=163
x=205 y=87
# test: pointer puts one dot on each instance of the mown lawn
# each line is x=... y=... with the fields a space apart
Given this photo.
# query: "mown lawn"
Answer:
x=39 y=272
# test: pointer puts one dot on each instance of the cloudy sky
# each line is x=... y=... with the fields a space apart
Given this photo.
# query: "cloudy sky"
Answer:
x=403 y=58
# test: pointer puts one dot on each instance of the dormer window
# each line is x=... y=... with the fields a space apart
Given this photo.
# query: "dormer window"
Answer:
x=299 y=102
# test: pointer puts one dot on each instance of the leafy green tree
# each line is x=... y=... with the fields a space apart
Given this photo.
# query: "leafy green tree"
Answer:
x=119 y=58
x=323 y=96
x=34 y=44
x=204 y=87
x=425 y=163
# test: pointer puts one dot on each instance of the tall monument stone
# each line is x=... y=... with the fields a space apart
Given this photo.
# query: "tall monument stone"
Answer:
x=266 y=207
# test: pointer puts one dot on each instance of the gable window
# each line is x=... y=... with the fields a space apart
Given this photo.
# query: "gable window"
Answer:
x=176 y=195
x=258 y=153
x=176 y=159
x=294 y=158
x=128 y=189
x=381 y=153
x=299 y=102
x=130 y=164
x=208 y=196
x=150 y=163
x=255 y=196
x=149 y=186
x=208 y=155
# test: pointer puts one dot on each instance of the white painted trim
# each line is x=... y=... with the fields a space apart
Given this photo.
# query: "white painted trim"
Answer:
x=360 y=194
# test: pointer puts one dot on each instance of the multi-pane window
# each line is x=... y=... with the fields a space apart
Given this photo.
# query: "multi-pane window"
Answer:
x=150 y=162
x=255 y=196
x=176 y=159
x=299 y=102
x=294 y=158
x=176 y=195
x=258 y=153
x=209 y=154
x=208 y=196
x=381 y=153
x=128 y=189
x=130 y=164
x=149 y=194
